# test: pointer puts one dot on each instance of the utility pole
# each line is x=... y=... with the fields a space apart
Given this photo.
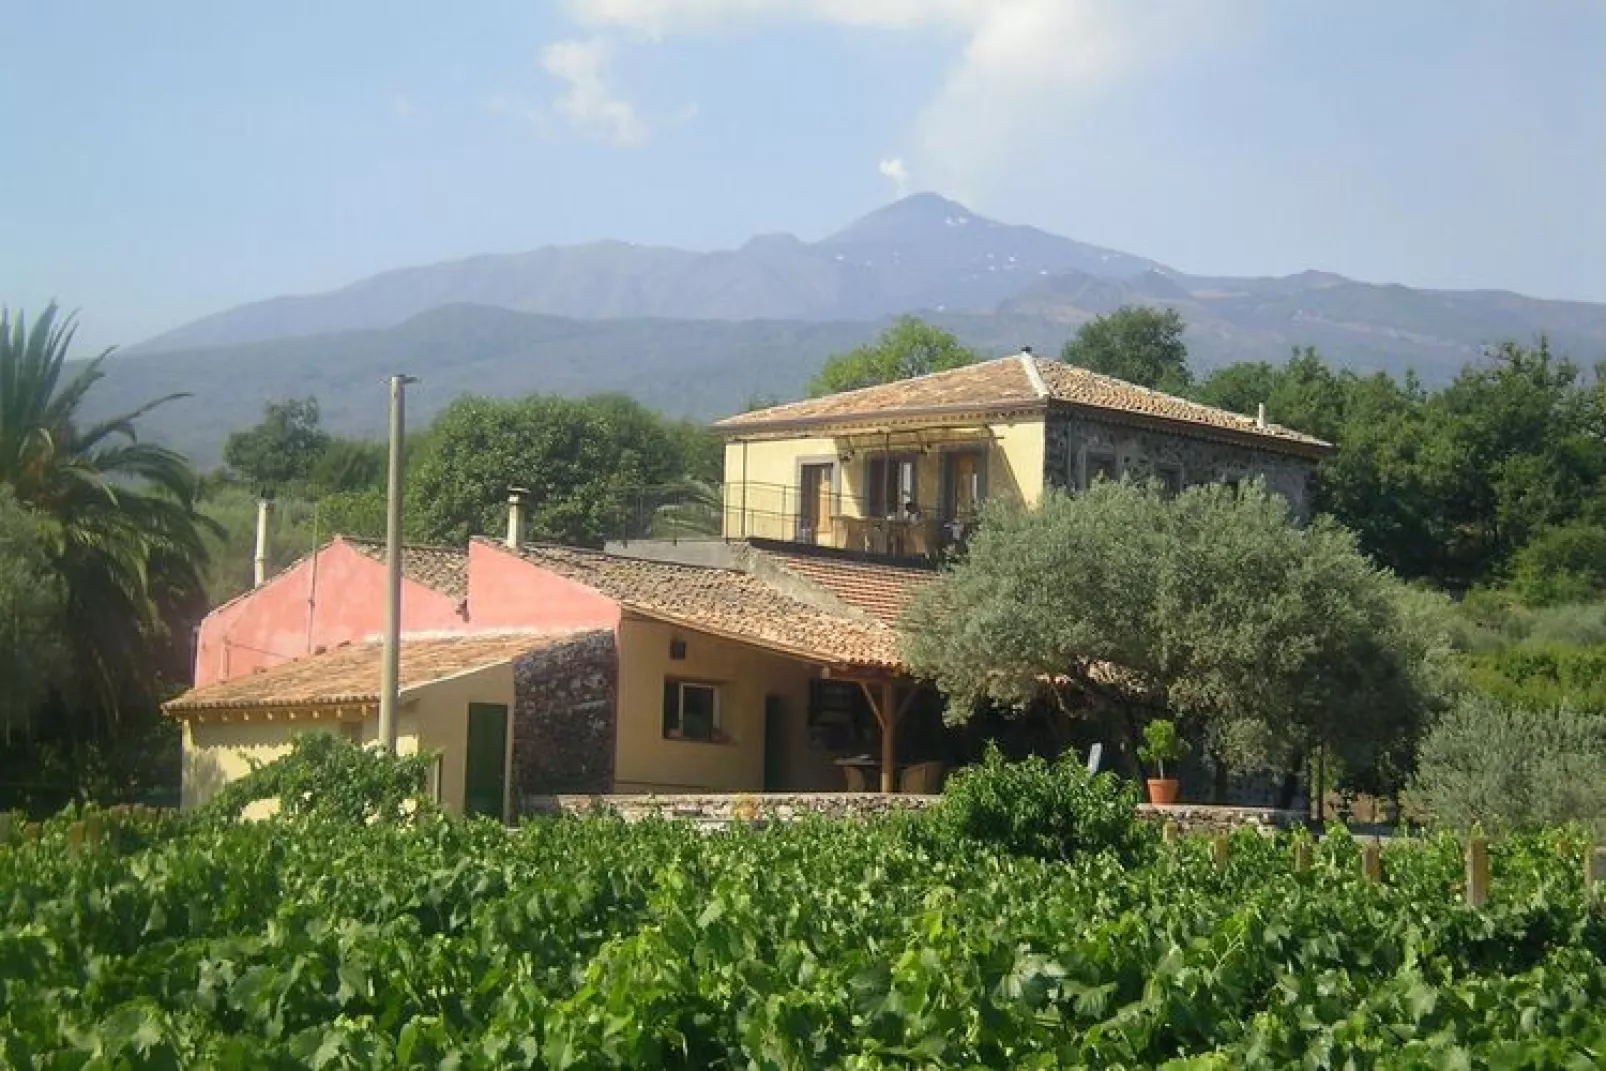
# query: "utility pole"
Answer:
x=390 y=669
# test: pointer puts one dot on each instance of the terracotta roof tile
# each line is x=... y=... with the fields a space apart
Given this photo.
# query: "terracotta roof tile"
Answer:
x=1009 y=384
x=350 y=673
x=443 y=568
x=882 y=591
x=724 y=602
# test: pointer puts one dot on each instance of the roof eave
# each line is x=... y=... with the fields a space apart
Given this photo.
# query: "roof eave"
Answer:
x=846 y=421
x=1314 y=450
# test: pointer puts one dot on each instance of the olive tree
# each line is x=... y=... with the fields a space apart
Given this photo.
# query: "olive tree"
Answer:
x=1261 y=638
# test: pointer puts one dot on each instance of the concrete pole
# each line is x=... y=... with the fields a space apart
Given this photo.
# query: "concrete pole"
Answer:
x=259 y=562
x=390 y=669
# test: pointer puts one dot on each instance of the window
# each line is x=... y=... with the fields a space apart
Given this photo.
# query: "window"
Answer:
x=890 y=486
x=1170 y=477
x=964 y=484
x=691 y=711
x=1101 y=467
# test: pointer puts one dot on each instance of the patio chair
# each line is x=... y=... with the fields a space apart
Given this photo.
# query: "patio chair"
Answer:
x=923 y=779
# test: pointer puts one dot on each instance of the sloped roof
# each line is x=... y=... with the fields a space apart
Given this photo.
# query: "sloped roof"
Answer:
x=723 y=602
x=445 y=569
x=1021 y=383
x=349 y=674
x=880 y=590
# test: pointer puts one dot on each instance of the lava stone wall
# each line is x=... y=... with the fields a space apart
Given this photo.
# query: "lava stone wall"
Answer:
x=565 y=702
x=1144 y=453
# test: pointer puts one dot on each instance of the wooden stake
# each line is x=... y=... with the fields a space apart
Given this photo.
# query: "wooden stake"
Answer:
x=1477 y=870
x=5 y=827
x=1594 y=871
x=1372 y=861
x=75 y=836
x=1169 y=832
x=1219 y=849
x=1302 y=854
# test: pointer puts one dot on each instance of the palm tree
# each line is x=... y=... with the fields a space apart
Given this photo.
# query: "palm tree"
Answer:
x=119 y=515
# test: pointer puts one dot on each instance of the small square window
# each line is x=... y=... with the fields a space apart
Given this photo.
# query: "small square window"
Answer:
x=691 y=711
x=1102 y=467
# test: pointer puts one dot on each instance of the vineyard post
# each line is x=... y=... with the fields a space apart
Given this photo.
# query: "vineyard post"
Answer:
x=1372 y=861
x=1477 y=870
x=1219 y=850
x=1168 y=832
x=5 y=827
x=1302 y=854
x=1594 y=870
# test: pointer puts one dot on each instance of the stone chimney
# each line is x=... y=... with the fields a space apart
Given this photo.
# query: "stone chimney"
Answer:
x=515 y=517
x=259 y=562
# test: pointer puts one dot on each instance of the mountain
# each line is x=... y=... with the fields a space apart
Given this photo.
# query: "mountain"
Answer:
x=698 y=334
x=923 y=252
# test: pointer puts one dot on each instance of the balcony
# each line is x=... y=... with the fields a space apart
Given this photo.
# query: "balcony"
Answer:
x=818 y=516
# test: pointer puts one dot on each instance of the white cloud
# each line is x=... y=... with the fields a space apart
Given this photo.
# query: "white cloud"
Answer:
x=589 y=102
x=1025 y=67
x=894 y=169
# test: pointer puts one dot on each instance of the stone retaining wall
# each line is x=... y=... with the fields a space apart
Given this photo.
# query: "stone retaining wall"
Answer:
x=788 y=806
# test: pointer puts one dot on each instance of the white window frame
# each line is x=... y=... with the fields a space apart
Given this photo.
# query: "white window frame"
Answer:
x=717 y=726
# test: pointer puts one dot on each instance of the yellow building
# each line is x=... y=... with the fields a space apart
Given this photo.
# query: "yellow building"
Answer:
x=903 y=468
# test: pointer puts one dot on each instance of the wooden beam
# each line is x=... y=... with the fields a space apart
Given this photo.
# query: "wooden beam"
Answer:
x=889 y=742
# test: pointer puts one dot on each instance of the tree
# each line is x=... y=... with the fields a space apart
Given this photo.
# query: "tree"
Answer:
x=1136 y=343
x=280 y=449
x=581 y=461
x=31 y=622
x=118 y=516
x=1262 y=639
x=910 y=347
x=347 y=465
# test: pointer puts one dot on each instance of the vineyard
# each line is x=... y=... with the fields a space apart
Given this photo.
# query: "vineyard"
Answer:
x=159 y=941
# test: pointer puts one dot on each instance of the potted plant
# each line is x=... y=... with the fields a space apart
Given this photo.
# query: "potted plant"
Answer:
x=1161 y=745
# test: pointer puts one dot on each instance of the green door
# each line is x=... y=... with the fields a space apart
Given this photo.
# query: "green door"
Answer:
x=485 y=770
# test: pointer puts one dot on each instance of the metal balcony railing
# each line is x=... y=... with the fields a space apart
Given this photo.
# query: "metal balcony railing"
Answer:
x=755 y=510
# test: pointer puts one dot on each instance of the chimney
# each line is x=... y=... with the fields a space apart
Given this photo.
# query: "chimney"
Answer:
x=1260 y=416
x=260 y=561
x=515 y=517
x=1026 y=351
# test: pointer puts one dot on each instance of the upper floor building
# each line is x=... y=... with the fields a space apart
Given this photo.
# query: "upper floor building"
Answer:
x=904 y=468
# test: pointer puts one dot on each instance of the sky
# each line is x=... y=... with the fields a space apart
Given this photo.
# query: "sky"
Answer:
x=162 y=161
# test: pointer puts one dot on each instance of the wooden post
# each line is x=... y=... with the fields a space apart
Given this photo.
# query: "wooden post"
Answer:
x=889 y=741
x=1219 y=849
x=1372 y=861
x=1302 y=854
x=75 y=836
x=1168 y=832
x=1477 y=870
x=5 y=827
x=1594 y=871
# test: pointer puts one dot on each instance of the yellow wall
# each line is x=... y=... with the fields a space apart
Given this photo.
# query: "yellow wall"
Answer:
x=771 y=505
x=433 y=718
x=645 y=761
x=771 y=499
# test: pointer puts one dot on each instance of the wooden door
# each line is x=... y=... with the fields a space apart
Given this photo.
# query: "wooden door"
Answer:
x=816 y=495
x=964 y=485
x=485 y=763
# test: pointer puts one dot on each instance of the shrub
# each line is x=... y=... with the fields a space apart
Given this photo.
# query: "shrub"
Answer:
x=1043 y=810
x=1161 y=744
x=1512 y=767
x=1566 y=563
x=1573 y=624
x=1543 y=676
x=326 y=777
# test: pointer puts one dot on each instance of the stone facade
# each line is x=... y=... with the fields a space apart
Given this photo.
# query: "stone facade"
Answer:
x=565 y=718
x=1076 y=446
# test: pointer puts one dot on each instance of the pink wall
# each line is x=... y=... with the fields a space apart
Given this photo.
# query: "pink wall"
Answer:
x=506 y=591
x=269 y=625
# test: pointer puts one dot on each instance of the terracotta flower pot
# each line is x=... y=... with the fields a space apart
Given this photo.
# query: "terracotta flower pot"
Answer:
x=1163 y=790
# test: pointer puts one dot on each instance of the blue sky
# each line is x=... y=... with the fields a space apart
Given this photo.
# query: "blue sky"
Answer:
x=166 y=160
